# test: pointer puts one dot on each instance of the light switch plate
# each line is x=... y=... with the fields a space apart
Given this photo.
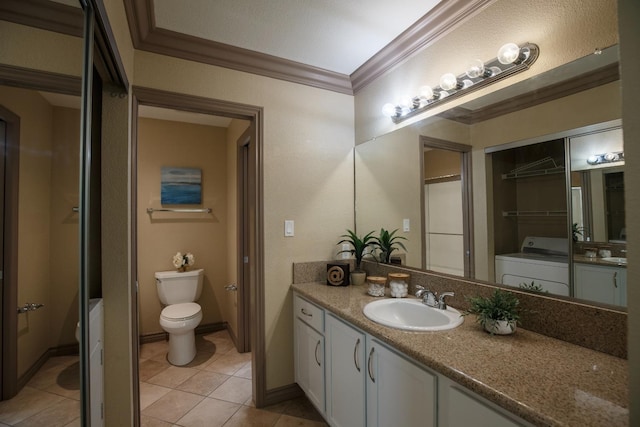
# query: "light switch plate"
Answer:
x=406 y=225
x=288 y=228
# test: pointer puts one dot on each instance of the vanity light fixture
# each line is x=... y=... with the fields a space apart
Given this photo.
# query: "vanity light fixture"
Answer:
x=610 y=157
x=511 y=59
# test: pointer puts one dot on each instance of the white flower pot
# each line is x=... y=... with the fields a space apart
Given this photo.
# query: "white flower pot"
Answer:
x=358 y=277
x=500 y=327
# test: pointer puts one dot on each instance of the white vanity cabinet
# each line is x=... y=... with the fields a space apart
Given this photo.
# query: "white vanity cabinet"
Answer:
x=459 y=407
x=308 y=321
x=399 y=392
x=345 y=375
x=601 y=283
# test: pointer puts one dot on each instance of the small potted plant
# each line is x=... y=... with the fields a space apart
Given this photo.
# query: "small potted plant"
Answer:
x=386 y=243
x=498 y=313
x=358 y=247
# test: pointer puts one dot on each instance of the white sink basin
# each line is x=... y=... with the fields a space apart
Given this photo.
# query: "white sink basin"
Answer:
x=412 y=315
x=617 y=260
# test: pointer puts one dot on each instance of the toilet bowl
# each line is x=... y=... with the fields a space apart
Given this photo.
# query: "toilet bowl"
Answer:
x=180 y=321
x=178 y=292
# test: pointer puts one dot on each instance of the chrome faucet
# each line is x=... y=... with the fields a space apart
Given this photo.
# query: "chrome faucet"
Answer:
x=431 y=299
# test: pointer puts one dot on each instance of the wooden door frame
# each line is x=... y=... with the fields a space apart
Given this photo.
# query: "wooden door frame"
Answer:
x=245 y=194
x=254 y=114
x=467 y=196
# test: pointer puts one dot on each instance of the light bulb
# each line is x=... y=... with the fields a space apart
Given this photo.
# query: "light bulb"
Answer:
x=508 y=53
x=389 y=110
x=475 y=69
x=425 y=92
x=448 y=81
x=611 y=157
x=593 y=160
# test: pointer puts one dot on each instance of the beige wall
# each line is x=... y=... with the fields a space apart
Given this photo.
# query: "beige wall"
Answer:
x=64 y=225
x=34 y=285
x=307 y=175
x=48 y=229
x=161 y=235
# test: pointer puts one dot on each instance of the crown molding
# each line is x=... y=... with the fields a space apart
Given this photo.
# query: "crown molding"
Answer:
x=44 y=14
x=440 y=20
x=146 y=36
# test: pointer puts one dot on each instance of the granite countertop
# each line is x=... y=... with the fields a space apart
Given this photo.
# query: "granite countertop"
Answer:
x=545 y=381
x=596 y=260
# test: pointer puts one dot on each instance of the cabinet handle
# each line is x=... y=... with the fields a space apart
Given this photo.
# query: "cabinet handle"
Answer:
x=615 y=279
x=305 y=312
x=355 y=352
x=316 y=352
x=369 y=365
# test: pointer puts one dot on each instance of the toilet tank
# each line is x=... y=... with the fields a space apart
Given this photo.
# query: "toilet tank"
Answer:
x=175 y=287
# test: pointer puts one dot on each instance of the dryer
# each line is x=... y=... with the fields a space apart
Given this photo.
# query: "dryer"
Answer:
x=541 y=260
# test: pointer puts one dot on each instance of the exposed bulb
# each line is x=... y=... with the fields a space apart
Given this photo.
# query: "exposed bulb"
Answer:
x=611 y=157
x=475 y=69
x=389 y=110
x=508 y=53
x=593 y=160
x=425 y=92
x=448 y=81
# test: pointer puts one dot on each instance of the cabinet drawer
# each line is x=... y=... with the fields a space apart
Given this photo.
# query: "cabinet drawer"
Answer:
x=309 y=313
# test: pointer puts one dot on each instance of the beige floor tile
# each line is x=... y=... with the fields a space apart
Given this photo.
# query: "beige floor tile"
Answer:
x=252 y=417
x=48 y=374
x=75 y=423
x=153 y=422
x=172 y=406
x=56 y=415
x=67 y=382
x=229 y=363
x=289 y=421
x=244 y=372
x=150 y=393
x=173 y=376
x=236 y=390
x=149 y=350
x=202 y=359
x=203 y=383
x=26 y=404
x=210 y=413
x=150 y=368
x=302 y=408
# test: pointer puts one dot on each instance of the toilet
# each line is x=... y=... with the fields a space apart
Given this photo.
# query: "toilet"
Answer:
x=180 y=316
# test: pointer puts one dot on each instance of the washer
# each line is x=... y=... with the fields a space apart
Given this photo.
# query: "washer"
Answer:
x=541 y=260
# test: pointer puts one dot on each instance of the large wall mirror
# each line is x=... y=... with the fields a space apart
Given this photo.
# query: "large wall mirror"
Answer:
x=545 y=129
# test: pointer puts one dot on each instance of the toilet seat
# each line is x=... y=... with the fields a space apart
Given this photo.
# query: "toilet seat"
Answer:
x=181 y=312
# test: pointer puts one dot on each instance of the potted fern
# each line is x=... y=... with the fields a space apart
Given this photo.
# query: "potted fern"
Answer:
x=386 y=243
x=358 y=247
x=498 y=313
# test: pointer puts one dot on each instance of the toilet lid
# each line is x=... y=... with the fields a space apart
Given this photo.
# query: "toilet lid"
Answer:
x=183 y=311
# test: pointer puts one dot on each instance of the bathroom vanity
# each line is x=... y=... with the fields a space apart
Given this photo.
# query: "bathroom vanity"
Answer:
x=357 y=372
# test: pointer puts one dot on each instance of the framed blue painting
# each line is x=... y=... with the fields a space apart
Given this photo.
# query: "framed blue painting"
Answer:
x=180 y=186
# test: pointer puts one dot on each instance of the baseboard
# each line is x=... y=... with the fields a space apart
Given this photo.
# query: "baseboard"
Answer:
x=200 y=329
x=282 y=394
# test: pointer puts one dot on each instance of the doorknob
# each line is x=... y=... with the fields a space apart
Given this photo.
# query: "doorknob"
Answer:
x=231 y=287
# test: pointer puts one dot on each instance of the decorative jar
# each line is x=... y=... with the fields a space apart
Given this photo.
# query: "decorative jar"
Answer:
x=399 y=284
x=376 y=285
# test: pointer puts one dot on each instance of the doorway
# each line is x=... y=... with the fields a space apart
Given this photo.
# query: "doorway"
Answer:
x=249 y=265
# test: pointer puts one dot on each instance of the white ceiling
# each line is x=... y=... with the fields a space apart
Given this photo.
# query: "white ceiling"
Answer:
x=335 y=35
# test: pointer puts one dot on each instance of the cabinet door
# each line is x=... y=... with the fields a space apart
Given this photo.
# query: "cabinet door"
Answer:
x=345 y=374
x=399 y=392
x=601 y=283
x=309 y=363
x=460 y=407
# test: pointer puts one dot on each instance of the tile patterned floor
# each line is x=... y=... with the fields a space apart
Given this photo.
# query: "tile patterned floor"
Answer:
x=213 y=390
